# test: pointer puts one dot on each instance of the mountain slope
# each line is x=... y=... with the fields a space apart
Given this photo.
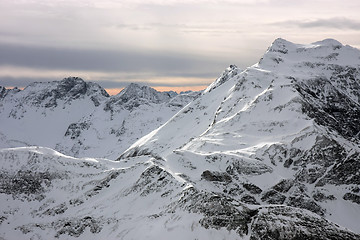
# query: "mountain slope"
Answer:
x=45 y=195
x=287 y=127
x=259 y=155
x=79 y=118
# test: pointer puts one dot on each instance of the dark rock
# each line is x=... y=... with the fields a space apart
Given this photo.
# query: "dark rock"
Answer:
x=216 y=176
x=243 y=167
x=320 y=197
x=56 y=210
x=153 y=179
x=252 y=188
x=355 y=189
x=345 y=171
x=315 y=162
x=286 y=223
x=249 y=200
x=25 y=182
x=302 y=201
x=288 y=162
x=352 y=197
x=219 y=211
x=3 y=92
x=75 y=227
x=273 y=197
x=284 y=185
x=103 y=183
x=333 y=106
x=74 y=130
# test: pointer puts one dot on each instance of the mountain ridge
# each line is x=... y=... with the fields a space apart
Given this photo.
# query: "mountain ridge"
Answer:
x=278 y=116
x=47 y=114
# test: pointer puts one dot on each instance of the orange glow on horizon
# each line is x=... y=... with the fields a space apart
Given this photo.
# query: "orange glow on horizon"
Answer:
x=180 y=89
x=12 y=87
x=114 y=91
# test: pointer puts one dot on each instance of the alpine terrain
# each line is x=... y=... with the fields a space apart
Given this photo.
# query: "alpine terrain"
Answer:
x=270 y=152
x=80 y=119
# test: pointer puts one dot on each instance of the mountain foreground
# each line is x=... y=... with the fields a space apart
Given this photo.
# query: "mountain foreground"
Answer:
x=271 y=152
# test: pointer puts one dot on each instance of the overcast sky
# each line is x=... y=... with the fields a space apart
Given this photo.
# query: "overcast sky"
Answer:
x=162 y=43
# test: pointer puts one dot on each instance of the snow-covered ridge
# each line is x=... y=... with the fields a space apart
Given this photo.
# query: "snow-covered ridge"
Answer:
x=229 y=73
x=291 y=120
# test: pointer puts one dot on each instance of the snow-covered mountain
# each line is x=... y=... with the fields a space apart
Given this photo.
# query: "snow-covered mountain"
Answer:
x=284 y=131
x=80 y=119
x=271 y=152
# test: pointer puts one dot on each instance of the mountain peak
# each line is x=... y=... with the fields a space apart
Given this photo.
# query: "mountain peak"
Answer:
x=49 y=93
x=229 y=72
x=282 y=41
x=136 y=91
x=134 y=86
x=72 y=80
x=281 y=45
x=295 y=58
x=328 y=42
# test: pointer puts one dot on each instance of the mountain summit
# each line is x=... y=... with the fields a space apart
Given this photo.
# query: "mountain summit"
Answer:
x=271 y=152
x=284 y=131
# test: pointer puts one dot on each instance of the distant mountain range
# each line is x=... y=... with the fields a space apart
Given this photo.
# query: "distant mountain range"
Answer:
x=269 y=152
x=80 y=119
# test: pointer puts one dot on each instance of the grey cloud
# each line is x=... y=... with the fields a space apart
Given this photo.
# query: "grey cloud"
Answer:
x=134 y=27
x=104 y=60
x=186 y=28
x=337 y=23
x=22 y=82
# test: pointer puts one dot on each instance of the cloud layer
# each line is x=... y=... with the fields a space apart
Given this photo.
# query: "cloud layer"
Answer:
x=330 y=23
x=168 y=43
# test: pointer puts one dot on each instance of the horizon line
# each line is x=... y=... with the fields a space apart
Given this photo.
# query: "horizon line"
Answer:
x=114 y=91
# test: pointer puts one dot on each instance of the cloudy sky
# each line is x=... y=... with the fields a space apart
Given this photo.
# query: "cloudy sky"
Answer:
x=177 y=44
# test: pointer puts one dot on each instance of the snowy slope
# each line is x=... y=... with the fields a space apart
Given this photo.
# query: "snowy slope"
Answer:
x=80 y=119
x=47 y=195
x=287 y=126
x=261 y=154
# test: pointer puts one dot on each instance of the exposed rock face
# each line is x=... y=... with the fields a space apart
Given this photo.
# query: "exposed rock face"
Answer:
x=104 y=198
x=216 y=176
x=288 y=223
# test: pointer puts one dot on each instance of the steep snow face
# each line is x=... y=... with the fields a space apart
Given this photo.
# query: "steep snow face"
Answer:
x=283 y=131
x=81 y=119
x=290 y=92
